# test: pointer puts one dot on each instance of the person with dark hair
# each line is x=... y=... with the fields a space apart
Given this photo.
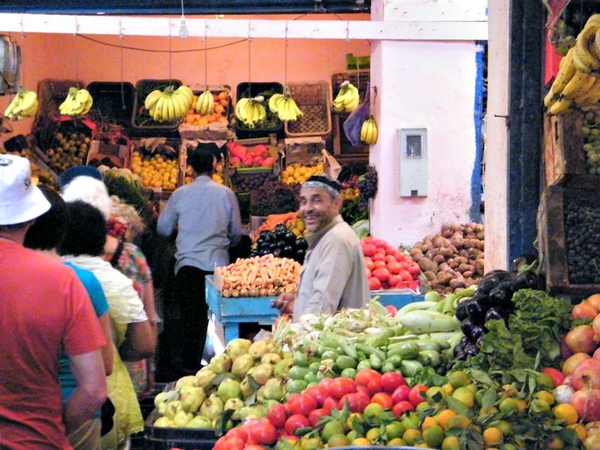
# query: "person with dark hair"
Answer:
x=83 y=245
x=44 y=236
x=206 y=216
x=333 y=274
x=44 y=310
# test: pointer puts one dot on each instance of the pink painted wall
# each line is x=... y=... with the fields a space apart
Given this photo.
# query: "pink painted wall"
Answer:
x=229 y=61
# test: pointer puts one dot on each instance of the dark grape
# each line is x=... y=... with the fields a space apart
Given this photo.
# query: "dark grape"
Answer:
x=582 y=240
x=367 y=188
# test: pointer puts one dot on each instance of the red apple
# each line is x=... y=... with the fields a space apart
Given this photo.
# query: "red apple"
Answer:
x=557 y=377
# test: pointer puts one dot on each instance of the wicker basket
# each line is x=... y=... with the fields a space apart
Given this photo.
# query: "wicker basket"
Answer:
x=314 y=100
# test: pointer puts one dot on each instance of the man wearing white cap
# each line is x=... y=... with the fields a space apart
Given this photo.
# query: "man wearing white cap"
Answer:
x=44 y=309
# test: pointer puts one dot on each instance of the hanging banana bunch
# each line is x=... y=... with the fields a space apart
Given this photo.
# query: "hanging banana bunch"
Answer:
x=577 y=83
x=284 y=106
x=25 y=104
x=205 y=103
x=78 y=103
x=251 y=111
x=347 y=98
x=169 y=104
x=369 y=131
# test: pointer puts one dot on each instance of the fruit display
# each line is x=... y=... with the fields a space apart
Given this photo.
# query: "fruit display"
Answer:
x=582 y=224
x=347 y=98
x=576 y=83
x=369 y=131
x=245 y=182
x=156 y=169
x=284 y=106
x=387 y=267
x=169 y=104
x=68 y=148
x=299 y=173
x=40 y=173
x=23 y=105
x=280 y=242
x=453 y=258
x=240 y=382
x=292 y=221
x=77 y=103
x=243 y=156
x=218 y=113
x=274 y=197
x=258 y=276
x=591 y=139
x=251 y=112
x=367 y=187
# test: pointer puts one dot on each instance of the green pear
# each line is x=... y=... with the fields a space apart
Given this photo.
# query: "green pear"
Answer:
x=163 y=422
x=283 y=367
x=256 y=411
x=182 y=418
x=220 y=363
x=173 y=407
x=204 y=377
x=200 y=422
x=270 y=358
x=229 y=388
x=261 y=347
x=246 y=388
x=237 y=347
x=274 y=389
x=234 y=404
x=188 y=379
x=191 y=398
x=262 y=373
x=161 y=397
x=242 y=365
x=212 y=407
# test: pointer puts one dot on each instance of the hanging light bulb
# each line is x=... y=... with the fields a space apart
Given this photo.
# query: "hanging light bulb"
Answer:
x=183 y=31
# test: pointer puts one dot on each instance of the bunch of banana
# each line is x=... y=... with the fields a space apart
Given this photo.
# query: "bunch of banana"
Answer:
x=284 y=106
x=587 y=46
x=369 y=131
x=25 y=104
x=251 y=111
x=347 y=98
x=78 y=103
x=205 y=103
x=170 y=104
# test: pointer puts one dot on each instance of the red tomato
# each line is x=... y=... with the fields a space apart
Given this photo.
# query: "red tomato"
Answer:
x=325 y=385
x=390 y=258
x=400 y=394
x=238 y=432
x=374 y=284
x=414 y=396
x=378 y=257
x=400 y=408
x=391 y=250
x=368 y=273
x=382 y=274
x=379 y=264
x=380 y=243
x=357 y=401
x=263 y=433
x=391 y=309
x=254 y=447
x=384 y=399
x=329 y=404
x=394 y=280
x=277 y=415
x=294 y=422
x=413 y=268
x=317 y=392
x=315 y=416
x=302 y=405
x=363 y=376
x=374 y=385
x=400 y=257
x=368 y=262
x=342 y=386
x=229 y=443
x=406 y=276
x=394 y=267
x=368 y=249
x=390 y=381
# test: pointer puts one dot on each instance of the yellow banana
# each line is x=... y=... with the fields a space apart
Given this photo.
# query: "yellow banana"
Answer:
x=157 y=111
x=152 y=98
x=590 y=97
x=273 y=101
x=578 y=85
x=584 y=59
x=560 y=106
x=205 y=103
x=240 y=109
x=565 y=72
x=187 y=92
x=369 y=131
x=342 y=96
x=550 y=98
x=68 y=105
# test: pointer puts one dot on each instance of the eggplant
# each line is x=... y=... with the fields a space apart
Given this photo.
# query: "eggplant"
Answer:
x=501 y=295
x=479 y=341
x=477 y=332
x=461 y=312
x=290 y=238
x=486 y=285
x=466 y=326
x=301 y=243
x=521 y=261
x=471 y=350
x=495 y=313
x=498 y=273
x=476 y=312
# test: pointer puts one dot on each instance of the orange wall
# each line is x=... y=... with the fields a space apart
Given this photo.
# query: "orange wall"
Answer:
x=228 y=60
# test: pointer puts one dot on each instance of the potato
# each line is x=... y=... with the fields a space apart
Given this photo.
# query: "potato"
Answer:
x=456 y=283
x=438 y=258
x=431 y=276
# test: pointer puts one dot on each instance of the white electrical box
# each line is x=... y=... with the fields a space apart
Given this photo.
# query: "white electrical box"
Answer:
x=413 y=162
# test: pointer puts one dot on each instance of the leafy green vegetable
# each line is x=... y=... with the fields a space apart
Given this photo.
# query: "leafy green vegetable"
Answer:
x=427 y=376
x=532 y=337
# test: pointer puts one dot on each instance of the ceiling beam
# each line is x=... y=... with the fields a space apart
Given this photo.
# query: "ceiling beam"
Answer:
x=420 y=30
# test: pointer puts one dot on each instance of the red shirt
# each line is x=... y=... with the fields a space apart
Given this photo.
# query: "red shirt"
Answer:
x=44 y=309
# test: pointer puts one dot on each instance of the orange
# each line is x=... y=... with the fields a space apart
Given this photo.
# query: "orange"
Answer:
x=361 y=441
x=492 y=436
x=412 y=436
x=555 y=443
x=433 y=436
x=428 y=422
x=451 y=443
x=443 y=416
x=396 y=442
x=458 y=421
x=509 y=405
x=580 y=430
x=566 y=412
x=546 y=396
x=373 y=435
x=338 y=440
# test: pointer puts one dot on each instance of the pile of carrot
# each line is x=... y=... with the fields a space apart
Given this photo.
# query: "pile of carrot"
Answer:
x=275 y=219
x=259 y=276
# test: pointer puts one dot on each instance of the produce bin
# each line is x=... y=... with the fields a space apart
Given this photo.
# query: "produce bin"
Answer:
x=266 y=89
x=149 y=149
x=141 y=122
x=113 y=102
x=553 y=231
x=314 y=100
x=201 y=128
x=159 y=438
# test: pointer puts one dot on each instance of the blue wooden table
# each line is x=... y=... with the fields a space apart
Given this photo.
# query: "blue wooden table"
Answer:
x=230 y=312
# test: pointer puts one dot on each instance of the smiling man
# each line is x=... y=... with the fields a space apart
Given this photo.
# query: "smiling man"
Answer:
x=333 y=275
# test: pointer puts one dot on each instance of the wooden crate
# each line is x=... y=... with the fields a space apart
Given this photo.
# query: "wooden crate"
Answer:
x=564 y=157
x=552 y=237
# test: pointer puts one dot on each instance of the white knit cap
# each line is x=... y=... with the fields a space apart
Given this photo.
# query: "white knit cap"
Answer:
x=89 y=190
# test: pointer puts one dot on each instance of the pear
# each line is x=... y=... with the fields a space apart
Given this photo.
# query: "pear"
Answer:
x=220 y=363
x=234 y=404
x=283 y=367
x=229 y=388
x=246 y=388
x=259 y=348
x=256 y=411
x=204 y=377
x=270 y=358
x=274 y=389
x=242 y=365
x=191 y=398
x=182 y=418
x=188 y=379
x=172 y=408
x=163 y=422
x=200 y=422
x=161 y=397
x=212 y=407
x=262 y=373
x=237 y=347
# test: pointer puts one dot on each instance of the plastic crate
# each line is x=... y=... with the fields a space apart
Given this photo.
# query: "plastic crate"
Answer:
x=140 y=119
x=113 y=102
x=266 y=89
x=159 y=438
x=314 y=100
